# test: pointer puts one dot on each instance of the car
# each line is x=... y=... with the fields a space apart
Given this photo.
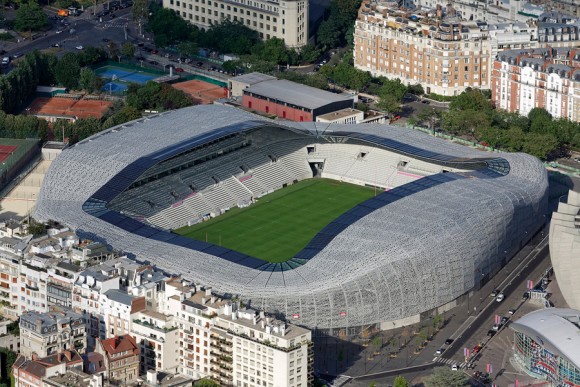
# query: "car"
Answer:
x=178 y=70
x=495 y=327
x=187 y=60
x=6 y=60
x=491 y=332
x=56 y=45
x=17 y=55
x=504 y=320
x=59 y=31
x=495 y=293
x=112 y=16
x=500 y=297
x=167 y=55
x=425 y=102
x=449 y=341
x=106 y=40
x=439 y=351
x=153 y=62
x=511 y=311
x=477 y=348
x=2 y=52
x=80 y=47
x=199 y=64
x=454 y=367
x=154 y=52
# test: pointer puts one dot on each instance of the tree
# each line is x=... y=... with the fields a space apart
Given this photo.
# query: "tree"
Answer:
x=113 y=49
x=36 y=228
x=30 y=17
x=87 y=79
x=328 y=34
x=392 y=88
x=128 y=49
x=400 y=382
x=187 y=48
x=540 y=120
x=309 y=53
x=389 y=104
x=445 y=377
x=67 y=70
x=540 y=145
x=274 y=50
x=471 y=99
x=139 y=13
x=377 y=343
x=8 y=358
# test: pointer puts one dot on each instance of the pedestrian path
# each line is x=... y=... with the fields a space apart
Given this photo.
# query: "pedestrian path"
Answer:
x=449 y=362
x=341 y=380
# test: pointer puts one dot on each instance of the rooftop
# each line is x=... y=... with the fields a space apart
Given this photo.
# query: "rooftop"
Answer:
x=557 y=329
x=119 y=344
x=119 y=296
x=339 y=114
x=295 y=93
x=252 y=78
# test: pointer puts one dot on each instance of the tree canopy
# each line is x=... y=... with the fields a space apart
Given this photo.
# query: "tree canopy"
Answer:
x=30 y=17
x=445 y=377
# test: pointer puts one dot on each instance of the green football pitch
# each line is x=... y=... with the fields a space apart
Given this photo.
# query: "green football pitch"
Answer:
x=282 y=223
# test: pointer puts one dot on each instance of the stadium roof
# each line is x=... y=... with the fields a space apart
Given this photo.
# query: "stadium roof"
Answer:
x=403 y=252
x=295 y=93
x=556 y=329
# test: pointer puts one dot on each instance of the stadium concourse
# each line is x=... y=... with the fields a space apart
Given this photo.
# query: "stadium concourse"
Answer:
x=446 y=219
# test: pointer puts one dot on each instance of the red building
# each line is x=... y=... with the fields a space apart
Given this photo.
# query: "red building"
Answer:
x=121 y=355
x=293 y=101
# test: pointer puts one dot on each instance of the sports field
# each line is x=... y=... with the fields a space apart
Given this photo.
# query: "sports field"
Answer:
x=281 y=224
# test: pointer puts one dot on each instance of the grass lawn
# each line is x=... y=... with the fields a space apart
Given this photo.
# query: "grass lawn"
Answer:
x=281 y=224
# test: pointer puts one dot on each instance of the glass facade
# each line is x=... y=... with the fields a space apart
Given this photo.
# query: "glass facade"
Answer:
x=541 y=363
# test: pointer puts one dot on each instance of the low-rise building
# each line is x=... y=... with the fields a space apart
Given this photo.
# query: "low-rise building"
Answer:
x=292 y=101
x=117 y=307
x=121 y=354
x=44 y=334
x=343 y=116
x=37 y=372
x=236 y=85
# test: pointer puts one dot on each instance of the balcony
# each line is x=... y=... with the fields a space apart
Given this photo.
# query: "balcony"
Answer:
x=155 y=327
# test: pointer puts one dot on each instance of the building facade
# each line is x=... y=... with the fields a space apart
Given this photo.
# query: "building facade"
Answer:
x=538 y=78
x=546 y=345
x=292 y=101
x=121 y=354
x=285 y=19
x=44 y=334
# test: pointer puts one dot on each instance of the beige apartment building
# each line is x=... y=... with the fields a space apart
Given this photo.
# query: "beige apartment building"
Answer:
x=284 y=19
x=443 y=56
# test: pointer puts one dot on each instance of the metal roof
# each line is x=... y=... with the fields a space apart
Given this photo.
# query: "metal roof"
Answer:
x=441 y=229
x=252 y=78
x=295 y=93
x=556 y=329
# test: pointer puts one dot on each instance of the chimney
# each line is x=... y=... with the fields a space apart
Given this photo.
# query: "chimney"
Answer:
x=34 y=356
x=203 y=300
x=212 y=299
x=263 y=323
x=262 y=314
x=254 y=320
x=116 y=342
x=208 y=292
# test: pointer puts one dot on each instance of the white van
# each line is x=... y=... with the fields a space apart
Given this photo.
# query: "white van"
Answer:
x=5 y=60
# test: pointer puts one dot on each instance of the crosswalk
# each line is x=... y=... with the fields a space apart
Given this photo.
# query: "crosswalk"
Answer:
x=341 y=380
x=450 y=362
x=120 y=24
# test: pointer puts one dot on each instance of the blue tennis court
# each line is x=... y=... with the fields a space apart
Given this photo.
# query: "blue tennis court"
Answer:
x=119 y=77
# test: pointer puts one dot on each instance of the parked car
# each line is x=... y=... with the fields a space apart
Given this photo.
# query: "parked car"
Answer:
x=106 y=40
x=500 y=297
x=504 y=320
x=454 y=367
x=5 y=61
x=425 y=102
x=491 y=332
x=511 y=311
x=178 y=70
x=477 y=348
x=495 y=327
x=495 y=293
x=439 y=351
x=80 y=47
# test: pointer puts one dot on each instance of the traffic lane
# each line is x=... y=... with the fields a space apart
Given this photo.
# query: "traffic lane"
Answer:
x=484 y=321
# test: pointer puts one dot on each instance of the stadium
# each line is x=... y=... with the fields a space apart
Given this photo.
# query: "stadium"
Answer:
x=440 y=218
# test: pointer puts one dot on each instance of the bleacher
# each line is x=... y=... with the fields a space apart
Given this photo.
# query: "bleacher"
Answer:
x=245 y=174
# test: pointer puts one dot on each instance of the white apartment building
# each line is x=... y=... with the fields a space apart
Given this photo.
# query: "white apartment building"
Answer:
x=260 y=350
x=44 y=334
x=116 y=308
x=10 y=306
x=283 y=19
x=157 y=336
x=33 y=279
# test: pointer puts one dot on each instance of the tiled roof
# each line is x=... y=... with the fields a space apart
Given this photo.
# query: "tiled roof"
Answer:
x=119 y=344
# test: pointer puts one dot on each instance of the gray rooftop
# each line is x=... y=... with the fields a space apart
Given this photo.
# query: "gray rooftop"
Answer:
x=253 y=78
x=557 y=329
x=295 y=93
x=119 y=296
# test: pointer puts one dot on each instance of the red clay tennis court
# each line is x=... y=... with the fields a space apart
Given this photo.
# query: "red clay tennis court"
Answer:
x=6 y=151
x=202 y=92
x=68 y=107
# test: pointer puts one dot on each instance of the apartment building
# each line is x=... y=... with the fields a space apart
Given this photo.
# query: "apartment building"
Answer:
x=38 y=372
x=10 y=285
x=547 y=78
x=157 y=336
x=44 y=334
x=571 y=7
x=60 y=282
x=254 y=349
x=117 y=306
x=121 y=355
x=445 y=54
x=283 y=19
